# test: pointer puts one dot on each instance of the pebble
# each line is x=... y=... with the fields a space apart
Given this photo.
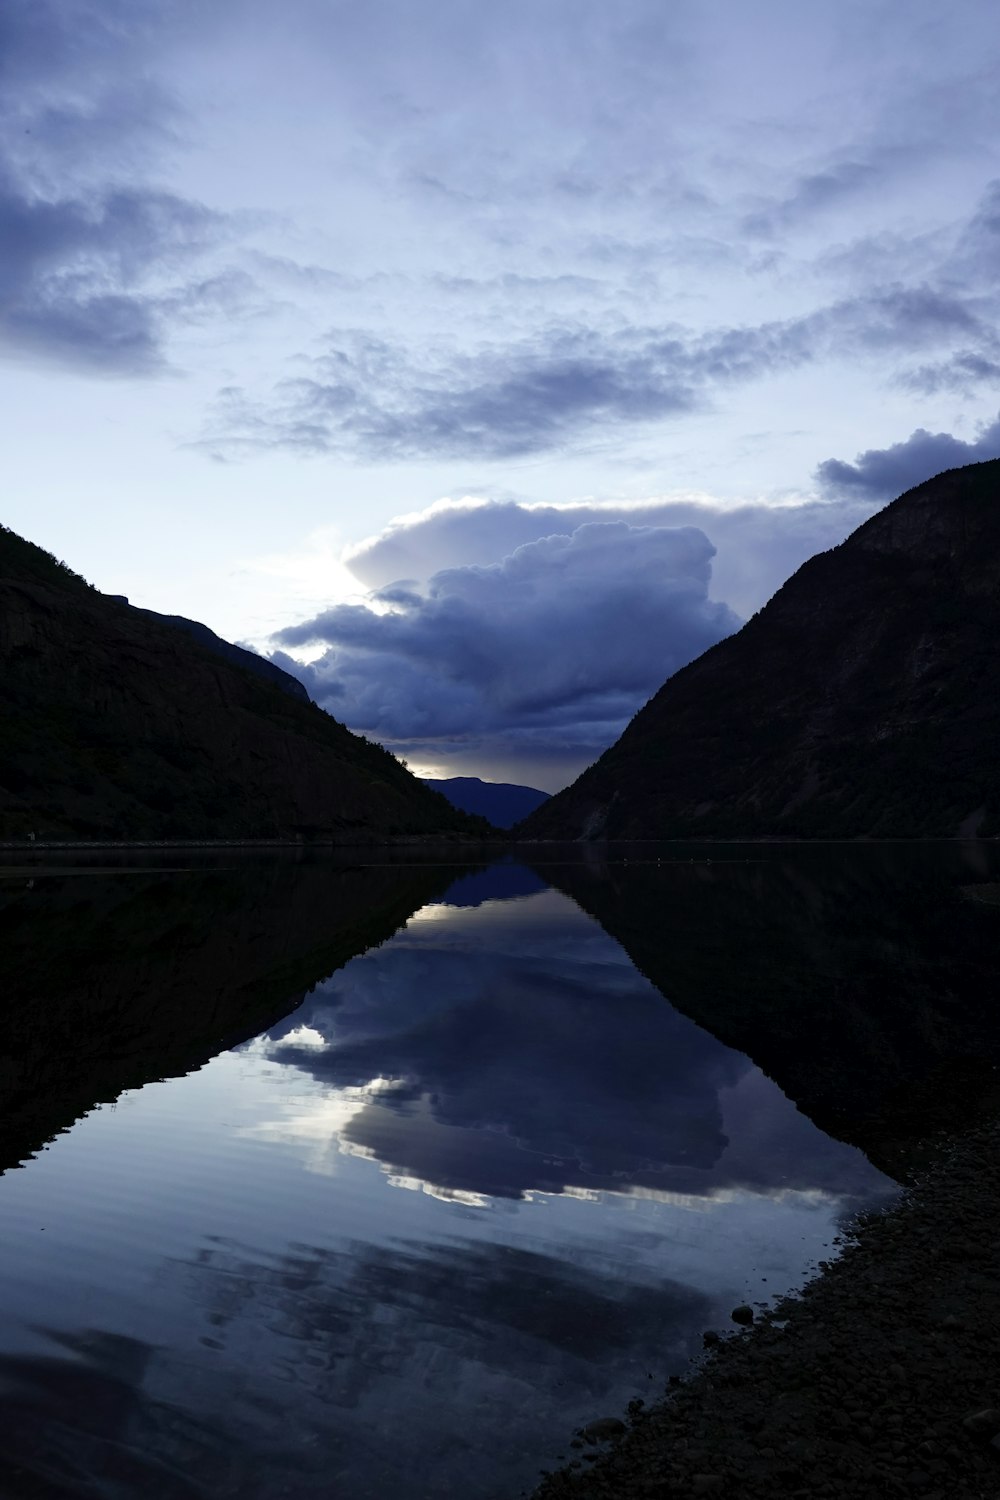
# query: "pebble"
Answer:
x=984 y=1424
x=876 y=1387
x=604 y=1429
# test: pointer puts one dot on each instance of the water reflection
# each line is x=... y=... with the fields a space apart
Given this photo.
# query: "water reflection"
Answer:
x=343 y=1370
x=78 y=1423
x=509 y=1047
x=401 y=1358
x=861 y=978
x=477 y=1184
x=115 y=979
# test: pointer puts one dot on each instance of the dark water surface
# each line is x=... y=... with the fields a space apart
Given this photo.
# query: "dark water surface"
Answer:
x=385 y=1176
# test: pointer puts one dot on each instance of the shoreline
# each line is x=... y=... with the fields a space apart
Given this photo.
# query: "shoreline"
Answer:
x=501 y=839
x=880 y=1378
x=393 y=841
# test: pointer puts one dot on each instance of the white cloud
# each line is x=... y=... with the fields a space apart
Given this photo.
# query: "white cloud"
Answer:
x=758 y=545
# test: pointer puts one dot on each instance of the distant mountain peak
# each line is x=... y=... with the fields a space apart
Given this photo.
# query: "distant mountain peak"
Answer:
x=502 y=802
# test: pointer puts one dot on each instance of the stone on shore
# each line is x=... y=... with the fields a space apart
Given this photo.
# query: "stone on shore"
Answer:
x=883 y=1379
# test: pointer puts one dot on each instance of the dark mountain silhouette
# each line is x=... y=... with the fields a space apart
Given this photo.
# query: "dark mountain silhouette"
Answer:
x=111 y=980
x=500 y=802
x=239 y=655
x=117 y=723
x=863 y=700
x=862 y=979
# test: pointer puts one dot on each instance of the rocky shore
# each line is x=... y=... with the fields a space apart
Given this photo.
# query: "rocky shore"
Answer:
x=881 y=1379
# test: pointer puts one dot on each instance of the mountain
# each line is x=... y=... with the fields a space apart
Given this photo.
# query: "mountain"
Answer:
x=116 y=723
x=115 y=979
x=502 y=803
x=248 y=660
x=862 y=701
x=859 y=976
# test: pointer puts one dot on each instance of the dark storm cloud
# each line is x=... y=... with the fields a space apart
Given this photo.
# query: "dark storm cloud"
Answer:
x=565 y=638
x=883 y=473
x=369 y=399
x=95 y=266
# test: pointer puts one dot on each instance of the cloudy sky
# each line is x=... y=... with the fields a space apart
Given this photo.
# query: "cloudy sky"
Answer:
x=492 y=361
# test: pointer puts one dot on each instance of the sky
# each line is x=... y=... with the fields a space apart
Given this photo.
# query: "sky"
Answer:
x=484 y=364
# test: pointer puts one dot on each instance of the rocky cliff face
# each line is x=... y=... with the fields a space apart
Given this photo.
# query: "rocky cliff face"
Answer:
x=117 y=725
x=862 y=701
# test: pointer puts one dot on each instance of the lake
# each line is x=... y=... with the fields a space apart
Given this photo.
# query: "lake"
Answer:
x=379 y=1176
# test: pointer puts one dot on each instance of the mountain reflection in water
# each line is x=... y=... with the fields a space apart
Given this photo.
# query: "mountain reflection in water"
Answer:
x=478 y=1185
x=512 y=1047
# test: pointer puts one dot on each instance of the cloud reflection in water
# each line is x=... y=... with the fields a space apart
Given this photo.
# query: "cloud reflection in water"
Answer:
x=497 y=1050
x=228 y=1301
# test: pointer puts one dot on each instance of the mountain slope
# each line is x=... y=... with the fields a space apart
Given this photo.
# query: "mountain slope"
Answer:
x=239 y=655
x=863 y=700
x=115 y=724
x=501 y=802
x=112 y=980
x=860 y=977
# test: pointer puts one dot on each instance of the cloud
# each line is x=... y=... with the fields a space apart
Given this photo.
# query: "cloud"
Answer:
x=95 y=264
x=963 y=373
x=813 y=194
x=438 y=679
x=882 y=473
x=758 y=545
x=370 y=399
x=474 y=1085
x=72 y=281
x=974 y=256
x=427 y=1347
x=562 y=96
x=560 y=642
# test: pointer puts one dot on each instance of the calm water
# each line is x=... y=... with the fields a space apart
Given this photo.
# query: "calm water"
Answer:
x=399 y=1234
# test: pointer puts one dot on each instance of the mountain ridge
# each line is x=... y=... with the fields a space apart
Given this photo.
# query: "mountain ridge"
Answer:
x=238 y=655
x=861 y=701
x=117 y=724
x=502 y=803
